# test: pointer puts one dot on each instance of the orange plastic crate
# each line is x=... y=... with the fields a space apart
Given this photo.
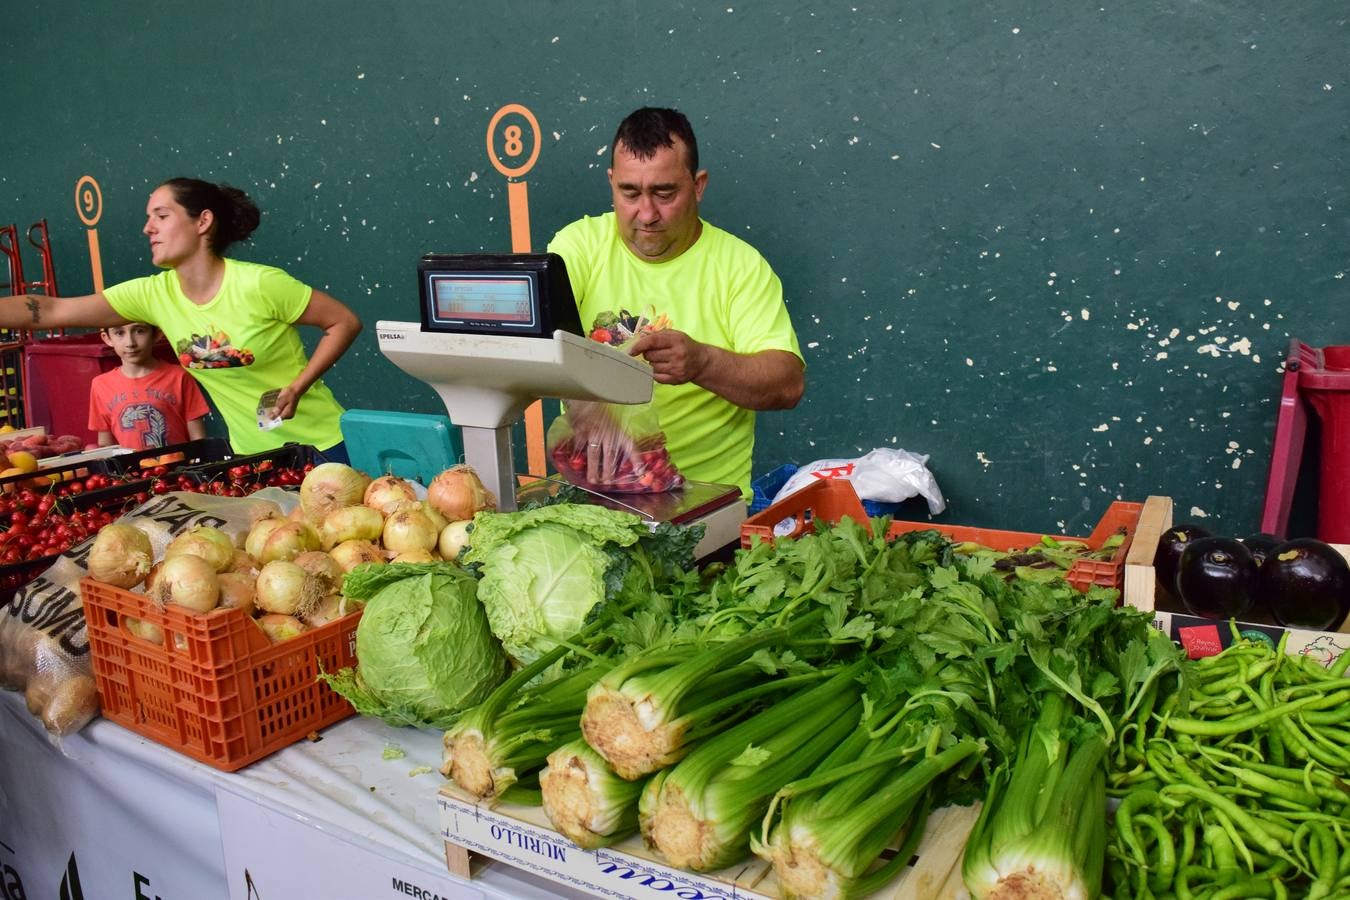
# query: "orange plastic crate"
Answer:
x=217 y=689
x=831 y=500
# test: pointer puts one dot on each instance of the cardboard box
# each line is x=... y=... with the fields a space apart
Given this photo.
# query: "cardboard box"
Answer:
x=1206 y=637
x=522 y=836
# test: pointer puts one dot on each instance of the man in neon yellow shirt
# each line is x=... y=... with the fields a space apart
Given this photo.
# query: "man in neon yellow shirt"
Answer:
x=729 y=349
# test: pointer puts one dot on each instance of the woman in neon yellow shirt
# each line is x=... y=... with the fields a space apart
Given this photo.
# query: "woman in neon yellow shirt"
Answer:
x=231 y=322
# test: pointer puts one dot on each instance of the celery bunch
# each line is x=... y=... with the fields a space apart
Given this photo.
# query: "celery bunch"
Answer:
x=1042 y=831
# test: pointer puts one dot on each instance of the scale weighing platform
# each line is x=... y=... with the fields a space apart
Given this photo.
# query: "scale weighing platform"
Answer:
x=501 y=330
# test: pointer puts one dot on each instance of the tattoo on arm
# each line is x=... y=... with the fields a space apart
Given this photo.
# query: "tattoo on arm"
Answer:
x=35 y=309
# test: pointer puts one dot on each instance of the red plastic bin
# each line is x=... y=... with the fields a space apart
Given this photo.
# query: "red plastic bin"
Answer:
x=831 y=500
x=216 y=690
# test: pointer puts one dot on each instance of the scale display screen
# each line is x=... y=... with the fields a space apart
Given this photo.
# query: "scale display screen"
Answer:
x=497 y=293
x=506 y=299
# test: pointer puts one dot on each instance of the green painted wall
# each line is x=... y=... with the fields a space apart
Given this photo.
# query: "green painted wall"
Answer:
x=1060 y=247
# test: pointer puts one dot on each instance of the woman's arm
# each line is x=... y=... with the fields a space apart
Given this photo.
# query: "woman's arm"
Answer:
x=38 y=312
x=196 y=429
x=340 y=327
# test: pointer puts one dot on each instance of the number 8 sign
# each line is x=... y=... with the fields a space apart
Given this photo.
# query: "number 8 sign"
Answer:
x=513 y=140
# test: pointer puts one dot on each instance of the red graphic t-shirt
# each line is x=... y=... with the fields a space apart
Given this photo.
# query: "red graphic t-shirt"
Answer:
x=151 y=411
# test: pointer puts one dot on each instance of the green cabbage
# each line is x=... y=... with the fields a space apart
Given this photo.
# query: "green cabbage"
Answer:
x=543 y=570
x=423 y=647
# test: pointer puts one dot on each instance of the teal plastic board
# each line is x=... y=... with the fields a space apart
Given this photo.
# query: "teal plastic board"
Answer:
x=416 y=446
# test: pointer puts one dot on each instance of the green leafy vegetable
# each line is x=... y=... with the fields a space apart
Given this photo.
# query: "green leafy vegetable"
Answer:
x=545 y=570
x=424 y=651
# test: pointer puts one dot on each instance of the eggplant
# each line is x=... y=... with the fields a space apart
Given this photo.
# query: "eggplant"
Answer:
x=1168 y=554
x=1306 y=583
x=1216 y=577
x=1261 y=544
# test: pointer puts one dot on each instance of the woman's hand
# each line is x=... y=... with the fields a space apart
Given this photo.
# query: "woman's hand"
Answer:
x=288 y=398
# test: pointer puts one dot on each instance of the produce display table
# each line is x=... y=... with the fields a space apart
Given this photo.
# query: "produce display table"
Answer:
x=109 y=813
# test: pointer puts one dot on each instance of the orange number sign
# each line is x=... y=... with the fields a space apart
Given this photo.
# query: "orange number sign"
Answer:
x=89 y=207
x=507 y=140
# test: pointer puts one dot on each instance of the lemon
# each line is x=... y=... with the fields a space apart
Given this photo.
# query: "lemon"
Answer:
x=23 y=460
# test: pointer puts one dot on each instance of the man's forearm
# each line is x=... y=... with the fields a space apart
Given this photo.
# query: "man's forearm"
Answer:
x=771 y=379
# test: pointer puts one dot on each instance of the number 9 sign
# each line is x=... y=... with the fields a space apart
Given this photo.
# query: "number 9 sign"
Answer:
x=514 y=140
x=88 y=201
x=89 y=207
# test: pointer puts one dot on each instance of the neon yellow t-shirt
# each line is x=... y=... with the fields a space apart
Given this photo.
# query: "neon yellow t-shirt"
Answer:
x=721 y=292
x=237 y=346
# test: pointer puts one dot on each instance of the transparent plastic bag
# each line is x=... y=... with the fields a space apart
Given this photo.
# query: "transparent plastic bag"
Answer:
x=612 y=448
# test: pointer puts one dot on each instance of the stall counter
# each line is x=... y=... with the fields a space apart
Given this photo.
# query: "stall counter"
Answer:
x=107 y=813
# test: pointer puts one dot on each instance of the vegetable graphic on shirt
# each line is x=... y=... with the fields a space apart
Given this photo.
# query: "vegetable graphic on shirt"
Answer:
x=212 y=351
x=618 y=328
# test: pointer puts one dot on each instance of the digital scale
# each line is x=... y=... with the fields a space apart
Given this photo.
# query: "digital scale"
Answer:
x=501 y=330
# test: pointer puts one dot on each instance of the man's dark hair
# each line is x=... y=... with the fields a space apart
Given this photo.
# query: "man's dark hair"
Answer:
x=650 y=128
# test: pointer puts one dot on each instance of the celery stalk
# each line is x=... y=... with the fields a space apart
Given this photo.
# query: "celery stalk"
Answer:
x=837 y=822
x=1042 y=832
x=508 y=736
x=700 y=812
x=640 y=715
x=585 y=800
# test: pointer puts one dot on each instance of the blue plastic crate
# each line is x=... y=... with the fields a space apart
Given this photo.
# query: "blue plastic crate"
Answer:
x=767 y=486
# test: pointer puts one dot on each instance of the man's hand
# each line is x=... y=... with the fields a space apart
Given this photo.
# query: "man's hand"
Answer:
x=674 y=356
x=769 y=379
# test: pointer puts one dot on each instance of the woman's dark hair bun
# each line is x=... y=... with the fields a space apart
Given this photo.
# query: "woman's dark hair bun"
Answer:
x=236 y=215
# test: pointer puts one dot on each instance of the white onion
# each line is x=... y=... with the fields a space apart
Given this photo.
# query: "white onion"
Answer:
x=288 y=541
x=259 y=510
x=146 y=631
x=332 y=485
x=258 y=534
x=188 y=581
x=458 y=493
x=236 y=591
x=322 y=568
x=121 y=555
x=330 y=609
x=416 y=556
x=285 y=588
x=351 y=523
x=453 y=539
x=211 y=544
x=409 y=529
x=387 y=491
x=350 y=554
x=437 y=520
x=279 y=627
x=244 y=564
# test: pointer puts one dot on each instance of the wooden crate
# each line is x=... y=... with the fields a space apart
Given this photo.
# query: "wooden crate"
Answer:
x=478 y=834
x=1204 y=637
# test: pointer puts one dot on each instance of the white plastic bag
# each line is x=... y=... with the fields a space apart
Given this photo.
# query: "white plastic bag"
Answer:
x=885 y=475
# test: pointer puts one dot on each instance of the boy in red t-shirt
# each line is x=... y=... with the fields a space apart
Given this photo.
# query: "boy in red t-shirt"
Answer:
x=147 y=402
